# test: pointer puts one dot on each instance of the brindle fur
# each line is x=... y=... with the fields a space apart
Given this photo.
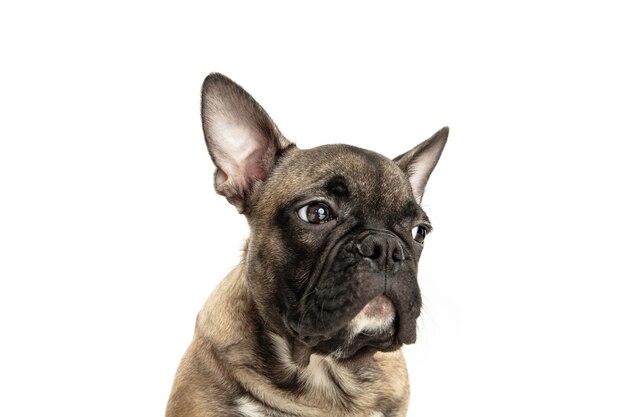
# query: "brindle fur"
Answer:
x=258 y=348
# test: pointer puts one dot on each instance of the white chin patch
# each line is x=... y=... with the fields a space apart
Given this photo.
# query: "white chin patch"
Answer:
x=376 y=317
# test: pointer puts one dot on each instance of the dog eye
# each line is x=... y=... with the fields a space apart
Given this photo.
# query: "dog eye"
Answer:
x=420 y=232
x=315 y=213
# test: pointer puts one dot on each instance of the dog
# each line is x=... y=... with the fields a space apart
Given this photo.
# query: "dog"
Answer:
x=311 y=322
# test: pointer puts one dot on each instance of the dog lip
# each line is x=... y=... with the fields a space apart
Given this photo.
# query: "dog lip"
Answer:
x=379 y=312
x=377 y=318
x=379 y=308
x=406 y=315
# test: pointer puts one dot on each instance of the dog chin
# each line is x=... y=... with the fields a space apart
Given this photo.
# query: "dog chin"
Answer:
x=377 y=317
x=373 y=329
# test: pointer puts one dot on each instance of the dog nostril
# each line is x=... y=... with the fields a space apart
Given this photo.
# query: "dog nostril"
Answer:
x=398 y=254
x=368 y=250
x=381 y=249
x=371 y=247
x=376 y=252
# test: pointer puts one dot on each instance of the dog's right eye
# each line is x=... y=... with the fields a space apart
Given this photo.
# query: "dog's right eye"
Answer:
x=315 y=213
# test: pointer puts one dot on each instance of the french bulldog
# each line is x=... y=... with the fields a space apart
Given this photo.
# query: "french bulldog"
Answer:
x=311 y=322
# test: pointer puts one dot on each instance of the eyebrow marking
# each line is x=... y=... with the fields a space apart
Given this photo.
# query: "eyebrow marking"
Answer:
x=411 y=210
x=337 y=186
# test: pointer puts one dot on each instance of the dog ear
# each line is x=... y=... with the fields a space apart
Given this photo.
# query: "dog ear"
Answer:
x=420 y=161
x=242 y=139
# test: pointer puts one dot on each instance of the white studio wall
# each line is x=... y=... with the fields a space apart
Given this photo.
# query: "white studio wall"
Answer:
x=111 y=236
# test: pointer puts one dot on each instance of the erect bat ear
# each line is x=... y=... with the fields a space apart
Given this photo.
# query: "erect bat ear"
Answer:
x=242 y=139
x=420 y=161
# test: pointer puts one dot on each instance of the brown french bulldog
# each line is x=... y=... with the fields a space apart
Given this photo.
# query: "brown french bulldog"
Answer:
x=311 y=321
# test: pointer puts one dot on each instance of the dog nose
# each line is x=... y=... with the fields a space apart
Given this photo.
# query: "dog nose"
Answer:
x=384 y=251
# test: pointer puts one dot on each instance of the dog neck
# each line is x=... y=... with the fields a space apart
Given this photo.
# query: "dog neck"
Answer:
x=270 y=364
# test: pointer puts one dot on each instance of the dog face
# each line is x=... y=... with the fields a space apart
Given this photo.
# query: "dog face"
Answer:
x=336 y=231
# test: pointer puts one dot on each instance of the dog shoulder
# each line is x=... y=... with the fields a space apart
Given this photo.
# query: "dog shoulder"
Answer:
x=201 y=386
x=204 y=382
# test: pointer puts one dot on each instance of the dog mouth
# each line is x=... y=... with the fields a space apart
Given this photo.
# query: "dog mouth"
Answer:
x=359 y=296
x=374 y=328
x=376 y=317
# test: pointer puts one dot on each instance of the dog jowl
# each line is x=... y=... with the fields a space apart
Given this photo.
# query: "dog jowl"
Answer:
x=311 y=321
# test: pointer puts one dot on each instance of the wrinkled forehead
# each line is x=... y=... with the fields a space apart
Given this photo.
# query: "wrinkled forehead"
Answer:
x=341 y=171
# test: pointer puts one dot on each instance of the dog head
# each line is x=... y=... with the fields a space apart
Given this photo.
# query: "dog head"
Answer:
x=336 y=231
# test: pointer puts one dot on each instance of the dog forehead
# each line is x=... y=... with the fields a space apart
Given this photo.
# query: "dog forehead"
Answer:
x=340 y=169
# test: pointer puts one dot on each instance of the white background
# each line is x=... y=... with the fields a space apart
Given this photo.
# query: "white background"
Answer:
x=111 y=236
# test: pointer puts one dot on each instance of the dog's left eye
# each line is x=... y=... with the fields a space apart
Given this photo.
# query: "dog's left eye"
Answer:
x=315 y=213
x=420 y=232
